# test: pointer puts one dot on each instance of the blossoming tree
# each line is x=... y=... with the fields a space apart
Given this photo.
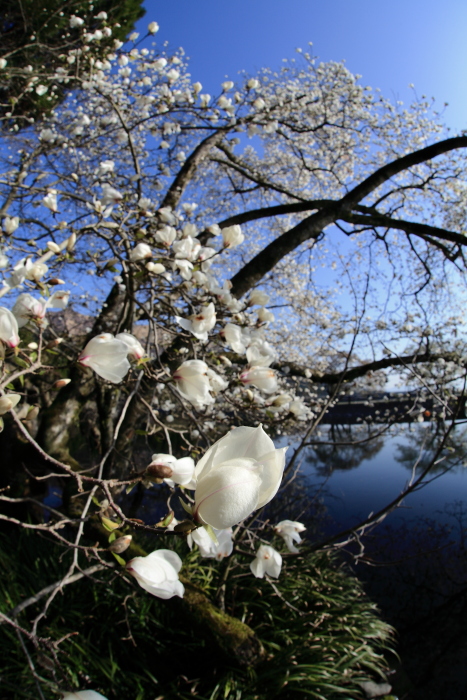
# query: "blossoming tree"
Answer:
x=224 y=257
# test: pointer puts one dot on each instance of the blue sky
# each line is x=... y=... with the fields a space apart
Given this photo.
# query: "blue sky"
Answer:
x=391 y=44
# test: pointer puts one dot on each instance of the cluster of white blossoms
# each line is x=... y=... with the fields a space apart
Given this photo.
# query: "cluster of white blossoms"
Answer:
x=240 y=473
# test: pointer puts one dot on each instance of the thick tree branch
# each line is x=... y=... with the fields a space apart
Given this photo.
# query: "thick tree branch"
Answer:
x=311 y=227
x=363 y=369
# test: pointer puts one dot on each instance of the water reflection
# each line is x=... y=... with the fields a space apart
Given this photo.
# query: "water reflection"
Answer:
x=343 y=447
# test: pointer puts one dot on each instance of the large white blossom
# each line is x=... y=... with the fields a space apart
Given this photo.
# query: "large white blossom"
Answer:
x=135 y=349
x=262 y=378
x=157 y=573
x=28 y=308
x=193 y=383
x=107 y=356
x=240 y=473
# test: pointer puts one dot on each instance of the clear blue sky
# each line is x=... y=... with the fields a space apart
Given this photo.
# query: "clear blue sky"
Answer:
x=390 y=42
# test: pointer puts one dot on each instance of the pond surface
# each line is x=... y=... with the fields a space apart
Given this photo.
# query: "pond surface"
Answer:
x=354 y=480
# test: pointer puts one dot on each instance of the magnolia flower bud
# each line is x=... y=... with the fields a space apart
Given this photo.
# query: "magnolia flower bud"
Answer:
x=54 y=281
x=60 y=383
x=8 y=328
x=10 y=224
x=240 y=473
x=8 y=402
x=155 y=268
x=71 y=242
x=53 y=247
x=158 y=573
x=158 y=471
x=120 y=544
x=32 y=413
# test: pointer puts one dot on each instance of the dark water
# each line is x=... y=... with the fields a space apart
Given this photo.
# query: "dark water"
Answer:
x=414 y=563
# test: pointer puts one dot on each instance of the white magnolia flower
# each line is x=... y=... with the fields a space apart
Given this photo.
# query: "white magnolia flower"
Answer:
x=50 y=201
x=155 y=268
x=240 y=473
x=153 y=27
x=182 y=469
x=227 y=85
x=237 y=338
x=3 y=63
x=158 y=573
x=27 y=307
x=134 y=347
x=41 y=90
x=4 y=262
x=199 y=324
x=76 y=21
x=187 y=248
x=207 y=547
x=105 y=167
x=185 y=268
x=258 y=298
x=260 y=354
x=84 y=695
x=264 y=315
x=232 y=236
x=193 y=383
x=8 y=328
x=190 y=230
x=299 y=409
x=216 y=382
x=167 y=216
x=140 y=252
x=205 y=100
x=110 y=195
x=253 y=84
x=262 y=378
x=288 y=530
x=107 y=356
x=166 y=236
x=58 y=300
x=8 y=402
x=35 y=271
x=10 y=224
x=267 y=561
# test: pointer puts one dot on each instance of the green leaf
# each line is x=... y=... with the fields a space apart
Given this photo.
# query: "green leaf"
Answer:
x=211 y=533
x=187 y=508
x=112 y=537
x=120 y=559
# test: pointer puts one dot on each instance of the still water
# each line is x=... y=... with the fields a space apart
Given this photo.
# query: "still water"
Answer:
x=358 y=478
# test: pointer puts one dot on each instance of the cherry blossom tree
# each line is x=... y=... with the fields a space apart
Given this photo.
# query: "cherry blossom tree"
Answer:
x=227 y=261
